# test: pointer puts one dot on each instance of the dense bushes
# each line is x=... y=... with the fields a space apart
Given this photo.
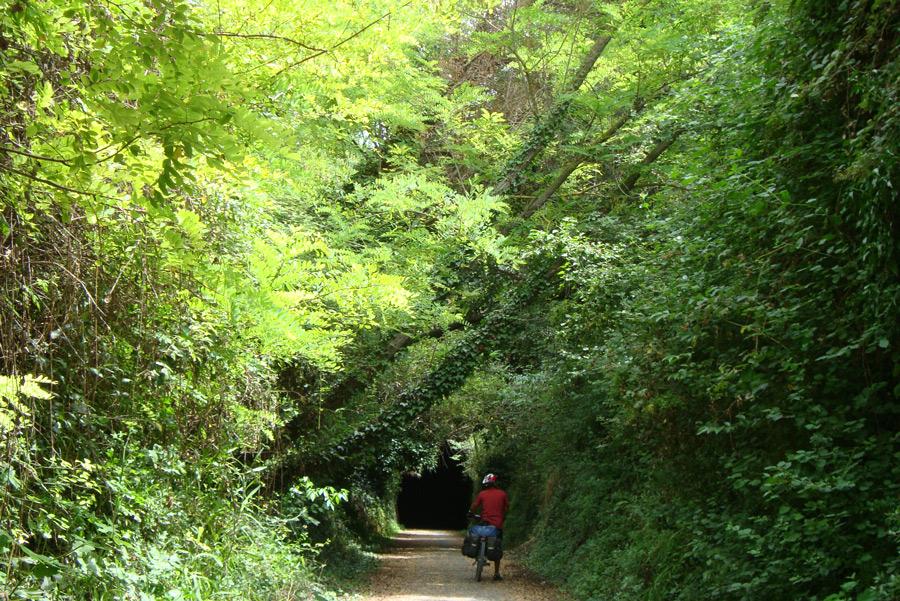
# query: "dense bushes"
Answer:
x=163 y=256
x=716 y=415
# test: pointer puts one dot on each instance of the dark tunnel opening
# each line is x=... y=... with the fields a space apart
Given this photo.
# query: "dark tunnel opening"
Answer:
x=438 y=499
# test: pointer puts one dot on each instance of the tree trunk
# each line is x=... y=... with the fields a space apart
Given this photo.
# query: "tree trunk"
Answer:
x=655 y=152
x=570 y=167
x=540 y=137
x=543 y=132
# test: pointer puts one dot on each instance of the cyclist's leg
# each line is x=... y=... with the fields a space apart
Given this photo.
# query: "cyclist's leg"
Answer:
x=497 y=562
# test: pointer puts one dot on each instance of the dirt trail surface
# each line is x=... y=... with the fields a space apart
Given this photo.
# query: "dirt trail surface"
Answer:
x=426 y=565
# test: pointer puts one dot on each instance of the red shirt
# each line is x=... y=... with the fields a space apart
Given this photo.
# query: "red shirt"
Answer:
x=494 y=504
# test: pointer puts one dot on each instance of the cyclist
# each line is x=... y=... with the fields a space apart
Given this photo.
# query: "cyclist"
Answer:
x=494 y=504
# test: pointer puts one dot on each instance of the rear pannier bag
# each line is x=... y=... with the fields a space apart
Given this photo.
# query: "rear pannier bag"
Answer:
x=493 y=550
x=470 y=546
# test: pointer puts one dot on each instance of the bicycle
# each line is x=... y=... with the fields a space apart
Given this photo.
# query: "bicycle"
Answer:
x=481 y=558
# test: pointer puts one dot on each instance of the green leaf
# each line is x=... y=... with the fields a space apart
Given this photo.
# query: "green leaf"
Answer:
x=24 y=67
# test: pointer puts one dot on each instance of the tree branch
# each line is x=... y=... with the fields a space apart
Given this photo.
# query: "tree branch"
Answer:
x=570 y=167
x=265 y=36
x=34 y=156
x=53 y=184
x=655 y=152
x=358 y=32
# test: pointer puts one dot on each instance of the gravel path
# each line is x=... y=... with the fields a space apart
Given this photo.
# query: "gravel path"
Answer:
x=426 y=565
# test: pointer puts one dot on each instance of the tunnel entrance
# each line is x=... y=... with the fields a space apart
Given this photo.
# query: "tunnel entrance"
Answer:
x=437 y=499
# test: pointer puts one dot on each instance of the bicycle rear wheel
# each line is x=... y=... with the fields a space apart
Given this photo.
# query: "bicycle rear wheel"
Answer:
x=480 y=561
